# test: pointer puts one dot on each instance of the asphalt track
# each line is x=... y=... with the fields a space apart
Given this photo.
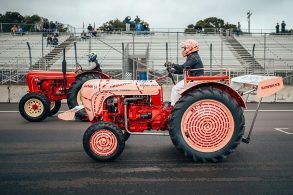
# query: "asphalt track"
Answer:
x=48 y=158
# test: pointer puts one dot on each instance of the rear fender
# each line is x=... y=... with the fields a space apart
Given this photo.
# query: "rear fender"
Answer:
x=226 y=88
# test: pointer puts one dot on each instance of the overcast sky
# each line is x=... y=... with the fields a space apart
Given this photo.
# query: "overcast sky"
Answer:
x=159 y=13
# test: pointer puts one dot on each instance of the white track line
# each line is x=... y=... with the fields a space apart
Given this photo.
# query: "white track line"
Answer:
x=283 y=130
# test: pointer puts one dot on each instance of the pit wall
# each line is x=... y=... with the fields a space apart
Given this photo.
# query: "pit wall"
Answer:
x=13 y=93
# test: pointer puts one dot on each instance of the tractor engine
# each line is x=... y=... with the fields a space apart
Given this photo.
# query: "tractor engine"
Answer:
x=141 y=113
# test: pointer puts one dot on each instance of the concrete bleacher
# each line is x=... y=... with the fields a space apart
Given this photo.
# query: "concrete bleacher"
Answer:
x=112 y=59
x=277 y=50
x=14 y=52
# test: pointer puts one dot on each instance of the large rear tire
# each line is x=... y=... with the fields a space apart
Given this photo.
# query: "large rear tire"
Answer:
x=206 y=124
x=103 y=141
x=73 y=95
x=54 y=107
x=34 y=107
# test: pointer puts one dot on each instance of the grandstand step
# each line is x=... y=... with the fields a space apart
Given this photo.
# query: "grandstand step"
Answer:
x=241 y=53
x=47 y=61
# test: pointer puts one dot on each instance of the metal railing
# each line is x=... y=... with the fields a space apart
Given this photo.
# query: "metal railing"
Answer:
x=214 y=52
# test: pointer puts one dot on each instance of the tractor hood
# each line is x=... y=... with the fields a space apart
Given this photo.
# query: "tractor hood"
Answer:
x=96 y=91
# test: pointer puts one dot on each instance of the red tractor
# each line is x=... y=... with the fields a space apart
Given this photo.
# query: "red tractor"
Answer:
x=46 y=89
x=206 y=124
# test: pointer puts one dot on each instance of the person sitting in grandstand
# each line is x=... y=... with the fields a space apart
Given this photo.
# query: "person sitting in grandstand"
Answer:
x=14 y=29
x=55 y=40
x=49 y=39
x=193 y=61
x=20 y=31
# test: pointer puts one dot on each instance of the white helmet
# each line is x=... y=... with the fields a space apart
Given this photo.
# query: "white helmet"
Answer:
x=189 y=45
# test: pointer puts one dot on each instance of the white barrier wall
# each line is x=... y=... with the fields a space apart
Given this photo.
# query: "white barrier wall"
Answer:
x=13 y=93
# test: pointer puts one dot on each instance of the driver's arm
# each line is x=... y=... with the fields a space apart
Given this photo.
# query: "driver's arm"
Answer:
x=190 y=62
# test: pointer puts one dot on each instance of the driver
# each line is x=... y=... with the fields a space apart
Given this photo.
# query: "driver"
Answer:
x=93 y=58
x=193 y=61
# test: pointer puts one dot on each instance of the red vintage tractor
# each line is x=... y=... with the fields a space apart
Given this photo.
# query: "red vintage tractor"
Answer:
x=206 y=124
x=46 y=89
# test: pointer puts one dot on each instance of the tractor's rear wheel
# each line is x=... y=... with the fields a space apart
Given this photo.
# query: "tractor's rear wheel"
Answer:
x=34 y=107
x=206 y=124
x=73 y=95
x=103 y=141
x=54 y=107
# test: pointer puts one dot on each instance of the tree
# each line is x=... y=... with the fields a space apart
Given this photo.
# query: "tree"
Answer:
x=115 y=25
x=32 y=19
x=208 y=24
x=190 y=28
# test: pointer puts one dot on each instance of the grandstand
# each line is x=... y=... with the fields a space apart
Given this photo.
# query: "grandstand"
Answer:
x=115 y=51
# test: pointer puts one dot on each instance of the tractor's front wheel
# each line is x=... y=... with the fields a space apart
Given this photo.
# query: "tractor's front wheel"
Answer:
x=206 y=124
x=103 y=141
x=34 y=107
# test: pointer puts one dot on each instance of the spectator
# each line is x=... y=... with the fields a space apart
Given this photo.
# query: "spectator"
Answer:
x=49 y=39
x=14 y=29
x=138 y=27
x=277 y=28
x=90 y=29
x=137 y=20
x=283 y=27
x=145 y=27
x=127 y=23
x=45 y=26
x=83 y=36
x=198 y=29
x=20 y=31
x=238 y=30
x=94 y=33
x=55 y=40
x=52 y=27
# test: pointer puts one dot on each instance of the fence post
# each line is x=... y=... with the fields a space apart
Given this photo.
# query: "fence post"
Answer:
x=222 y=51
x=177 y=47
x=30 y=53
x=133 y=63
x=75 y=52
x=253 y=60
x=264 y=52
x=211 y=58
x=167 y=56
x=123 y=61
x=90 y=46
x=42 y=45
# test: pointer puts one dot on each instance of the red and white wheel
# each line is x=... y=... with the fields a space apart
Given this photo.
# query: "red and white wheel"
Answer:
x=206 y=124
x=103 y=141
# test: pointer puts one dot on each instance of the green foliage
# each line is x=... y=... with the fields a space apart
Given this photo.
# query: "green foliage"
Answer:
x=116 y=25
x=190 y=28
x=32 y=19
x=208 y=25
x=11 y=17
x=28 y=23
x=211 y=22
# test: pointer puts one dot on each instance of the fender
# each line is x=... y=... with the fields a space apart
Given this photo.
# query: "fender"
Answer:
x=103 y=75
x=223 y=87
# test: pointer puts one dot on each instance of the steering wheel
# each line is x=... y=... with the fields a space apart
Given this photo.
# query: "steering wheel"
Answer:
x=171 y=74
